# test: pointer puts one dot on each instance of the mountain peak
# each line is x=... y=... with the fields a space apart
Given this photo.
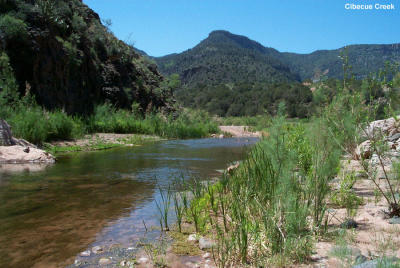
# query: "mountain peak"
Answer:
x=226 y=37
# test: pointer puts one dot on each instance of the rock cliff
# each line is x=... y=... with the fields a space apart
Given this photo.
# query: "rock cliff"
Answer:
x=62 y=53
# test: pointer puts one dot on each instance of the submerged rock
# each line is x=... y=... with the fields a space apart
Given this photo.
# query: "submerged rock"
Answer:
x=97 y=250
x=104 y=261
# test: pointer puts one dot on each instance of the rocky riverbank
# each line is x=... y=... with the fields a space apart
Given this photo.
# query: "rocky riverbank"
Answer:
x=19 y=151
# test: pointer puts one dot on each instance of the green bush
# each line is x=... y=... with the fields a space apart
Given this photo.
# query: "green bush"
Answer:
x=8 y=84
x=29 y=124
x=188 y=125
x=12 y=27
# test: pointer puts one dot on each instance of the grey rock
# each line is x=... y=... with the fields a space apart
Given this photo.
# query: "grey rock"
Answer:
x=97 y=250
x=207 y=255
x=5 y=134
x=349 y=224
x=104 y=261
x=394 y=138
x=143 y=260
x=364 y=150
x=193 y=237
x=205 y=243
x=394 y=220
x=85 y=253
x=360 y=259
x=6 y=138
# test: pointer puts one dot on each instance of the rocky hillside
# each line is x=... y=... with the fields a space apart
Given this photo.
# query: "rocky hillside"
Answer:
x=62 y=54
x=231 y=58
x=364 y=59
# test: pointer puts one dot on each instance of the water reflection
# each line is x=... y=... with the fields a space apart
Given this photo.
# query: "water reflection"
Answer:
x=48 y=216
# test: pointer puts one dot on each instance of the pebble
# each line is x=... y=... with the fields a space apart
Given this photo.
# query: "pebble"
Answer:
x=205 y=243
x=192 y=237
x=207 y=255
x=77 y=263
x=123 y=263
x=85 y=253
x=97 y=250
x=104 y=261
x=143 y=260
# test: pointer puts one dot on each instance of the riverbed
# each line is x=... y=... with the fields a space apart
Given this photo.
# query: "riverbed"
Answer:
x=50 y=214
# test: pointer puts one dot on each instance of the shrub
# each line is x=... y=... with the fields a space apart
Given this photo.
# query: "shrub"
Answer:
x=13 y=28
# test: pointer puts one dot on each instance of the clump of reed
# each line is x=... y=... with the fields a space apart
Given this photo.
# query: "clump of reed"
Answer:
x=270 y=208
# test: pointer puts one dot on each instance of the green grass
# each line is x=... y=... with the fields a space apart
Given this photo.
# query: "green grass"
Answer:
x=31 y=122
x=269 y=210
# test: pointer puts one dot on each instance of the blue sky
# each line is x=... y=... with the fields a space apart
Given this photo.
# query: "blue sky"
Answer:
x=161 y=27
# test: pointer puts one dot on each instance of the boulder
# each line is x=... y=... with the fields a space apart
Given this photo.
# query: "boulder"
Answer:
x=205 y=243
x=394 y=137
x=104 y=261
x=364 y=150
x=18 y=151
x=385 y=127
x=6 y=138
x=18 y=154
x=232 y=167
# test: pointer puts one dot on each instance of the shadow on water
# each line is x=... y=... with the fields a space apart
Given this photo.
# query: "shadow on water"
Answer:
x=50 y=214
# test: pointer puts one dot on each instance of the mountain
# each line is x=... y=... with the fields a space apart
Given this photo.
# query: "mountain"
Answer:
x=62 y=54
x=224 y=57
x=364 y=60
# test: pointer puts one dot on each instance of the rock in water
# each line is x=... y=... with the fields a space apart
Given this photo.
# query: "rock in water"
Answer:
x=5 y=134
x=97 y=250
x=104 y=261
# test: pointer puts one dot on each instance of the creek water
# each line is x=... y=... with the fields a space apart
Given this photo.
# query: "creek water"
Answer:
x=49 y=214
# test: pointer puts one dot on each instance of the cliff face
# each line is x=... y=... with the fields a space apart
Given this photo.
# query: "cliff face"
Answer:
x=65 y=57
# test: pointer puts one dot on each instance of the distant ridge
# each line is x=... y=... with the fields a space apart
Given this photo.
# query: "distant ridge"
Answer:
x=224 y=57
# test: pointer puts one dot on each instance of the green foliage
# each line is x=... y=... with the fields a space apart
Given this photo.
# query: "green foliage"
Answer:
x=8 y=84
x=267 y=210
x=248 y=99
x=78 y=23
x=344 y=196
x=187 y=125
x=13 y=28
x=225 y=58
